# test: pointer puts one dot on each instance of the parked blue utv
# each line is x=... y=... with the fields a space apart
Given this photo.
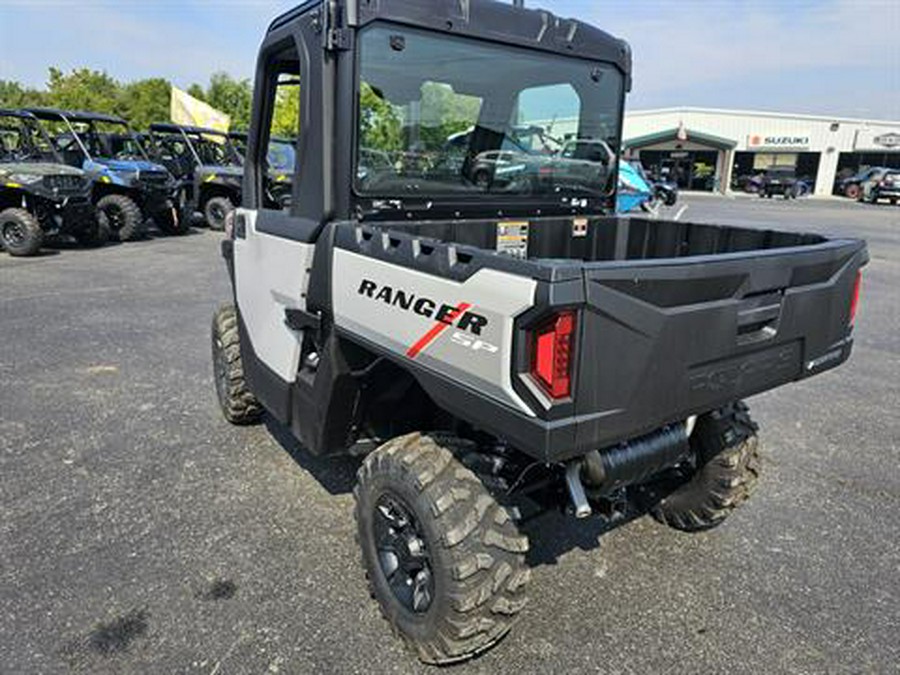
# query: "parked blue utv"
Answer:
x=129 y=188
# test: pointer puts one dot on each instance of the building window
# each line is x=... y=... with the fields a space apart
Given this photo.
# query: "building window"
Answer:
x=766 y=160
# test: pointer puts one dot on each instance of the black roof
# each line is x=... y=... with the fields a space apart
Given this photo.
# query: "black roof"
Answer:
x=174 y=128
x=12 y=112
x=74 y=115
x=487 y=19
x=287 y=16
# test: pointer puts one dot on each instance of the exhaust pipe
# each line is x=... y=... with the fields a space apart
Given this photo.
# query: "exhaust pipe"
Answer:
x=576 y=490
x=635 y=461
x=626 y=464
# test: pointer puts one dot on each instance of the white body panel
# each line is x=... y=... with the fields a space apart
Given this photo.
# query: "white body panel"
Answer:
x=481 y=361
x=271 y=275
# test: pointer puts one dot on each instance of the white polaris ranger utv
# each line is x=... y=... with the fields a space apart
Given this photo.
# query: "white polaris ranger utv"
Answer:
x=450 y=295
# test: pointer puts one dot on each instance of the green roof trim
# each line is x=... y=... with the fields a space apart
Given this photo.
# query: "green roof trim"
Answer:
x=672 y=135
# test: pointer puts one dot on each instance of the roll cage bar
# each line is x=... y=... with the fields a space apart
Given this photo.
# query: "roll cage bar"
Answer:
x=184 y=130
x=25 y=115
x=69 y=116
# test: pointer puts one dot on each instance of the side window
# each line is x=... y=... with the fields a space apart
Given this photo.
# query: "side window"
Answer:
x=279 y=161
x=545 y=117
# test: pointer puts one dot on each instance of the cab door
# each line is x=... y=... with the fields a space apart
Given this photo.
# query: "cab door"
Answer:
x=273 y=247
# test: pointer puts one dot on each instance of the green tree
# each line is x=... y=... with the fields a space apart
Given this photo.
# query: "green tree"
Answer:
x=444 y=113
x=14 y=95
x=233 y=97
x=142 y=102
x=84 y=89
x=380 y=124
x=145 y=102
x=286 y=117
x=197 y=92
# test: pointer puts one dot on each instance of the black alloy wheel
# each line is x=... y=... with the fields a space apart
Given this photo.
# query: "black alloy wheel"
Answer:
x=13 y=233
x=403 y=553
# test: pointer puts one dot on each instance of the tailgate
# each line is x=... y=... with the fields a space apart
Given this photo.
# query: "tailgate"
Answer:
x=664 y=339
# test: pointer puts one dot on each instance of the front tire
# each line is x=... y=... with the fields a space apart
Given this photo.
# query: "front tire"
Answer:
x=216 y=211
x=20 y=232
x=727 y=471
x=444 y=559
x=123 y=217
x=238 y=404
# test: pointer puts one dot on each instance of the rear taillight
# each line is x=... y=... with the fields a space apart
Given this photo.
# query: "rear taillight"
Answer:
x=551 y=358
x=854 y=301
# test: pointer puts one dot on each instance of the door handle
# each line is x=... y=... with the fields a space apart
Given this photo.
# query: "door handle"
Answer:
x=759 y=321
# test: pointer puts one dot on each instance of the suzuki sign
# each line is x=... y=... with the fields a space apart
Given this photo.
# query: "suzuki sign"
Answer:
x=778 y=141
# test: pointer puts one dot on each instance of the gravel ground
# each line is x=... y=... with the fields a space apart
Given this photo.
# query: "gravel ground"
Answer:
x=139 y=533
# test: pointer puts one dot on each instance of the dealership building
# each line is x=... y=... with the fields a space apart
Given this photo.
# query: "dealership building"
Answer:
x=718 y=150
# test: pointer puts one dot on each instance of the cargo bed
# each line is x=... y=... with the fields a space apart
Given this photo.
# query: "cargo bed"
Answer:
x=673 y=318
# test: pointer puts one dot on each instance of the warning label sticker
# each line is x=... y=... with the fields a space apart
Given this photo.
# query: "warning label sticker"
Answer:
x=512 y=238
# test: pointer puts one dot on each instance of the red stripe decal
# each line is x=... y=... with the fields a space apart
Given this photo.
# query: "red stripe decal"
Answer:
x=436 y=330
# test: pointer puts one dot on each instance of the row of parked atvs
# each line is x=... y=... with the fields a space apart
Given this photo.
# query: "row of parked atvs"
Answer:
x=90 y=177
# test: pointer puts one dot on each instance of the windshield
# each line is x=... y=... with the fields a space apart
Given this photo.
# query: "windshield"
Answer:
x=101 y=138
x=444 y=115
x=215 y=149
x=280 y=157
x=22 y=140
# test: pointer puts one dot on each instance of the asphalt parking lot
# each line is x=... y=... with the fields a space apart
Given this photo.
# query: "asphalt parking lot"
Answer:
x=141 y=533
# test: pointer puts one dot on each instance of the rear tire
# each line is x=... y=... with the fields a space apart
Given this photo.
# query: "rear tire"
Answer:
x=727 y=450
x=20 y=232
x=852 y=191
x=123 y=216
x=238 y=403
x=216 y=210
x=444 y=559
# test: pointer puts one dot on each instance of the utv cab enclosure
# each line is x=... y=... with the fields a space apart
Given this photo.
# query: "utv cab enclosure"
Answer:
x=207 y=165
x=496 y=348
x=128 y=187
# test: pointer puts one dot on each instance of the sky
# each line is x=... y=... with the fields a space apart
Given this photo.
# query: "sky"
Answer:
x=829 y=57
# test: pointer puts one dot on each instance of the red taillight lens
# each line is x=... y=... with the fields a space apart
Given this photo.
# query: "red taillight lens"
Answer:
x=551 y=357
x=854 y=302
